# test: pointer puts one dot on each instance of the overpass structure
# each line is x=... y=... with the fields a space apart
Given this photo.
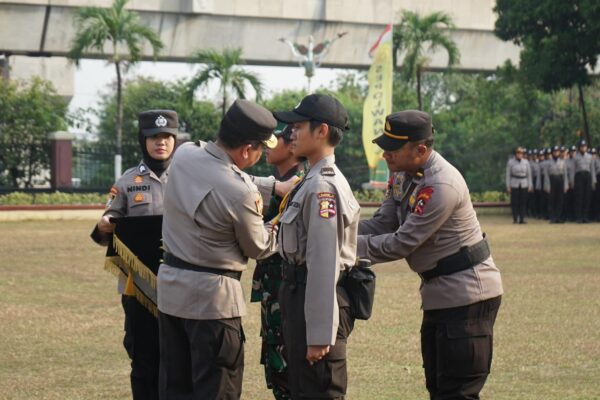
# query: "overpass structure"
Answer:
x=35 y=35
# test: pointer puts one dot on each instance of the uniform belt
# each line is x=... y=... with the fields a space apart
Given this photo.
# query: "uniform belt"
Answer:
x=297 y=273
x=177 y=262
x=467 y=257
x=518 y=176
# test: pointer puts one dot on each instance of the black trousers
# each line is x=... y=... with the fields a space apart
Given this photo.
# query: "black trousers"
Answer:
x=141 y=343
x=327 y=378
x=557 y=194
x=596 y=200
x=457 y=349
x=531 y=202
x=200 y=359
x=568 y=213
x=583 y=195
x=518 y=203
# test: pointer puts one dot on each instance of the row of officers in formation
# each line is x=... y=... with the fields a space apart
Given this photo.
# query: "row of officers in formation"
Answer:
x=306 y=244
x=558 y=184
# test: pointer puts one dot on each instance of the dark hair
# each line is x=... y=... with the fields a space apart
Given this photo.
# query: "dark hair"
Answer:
x=335 y=134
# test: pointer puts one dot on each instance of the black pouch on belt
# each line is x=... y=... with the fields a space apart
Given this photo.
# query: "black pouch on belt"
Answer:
x=359 y=282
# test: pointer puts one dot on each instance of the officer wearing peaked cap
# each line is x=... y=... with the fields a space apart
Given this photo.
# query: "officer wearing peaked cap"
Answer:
x=317 y=239
x=519 y=183
x=212 y=225
x=139 y=192
x=556 y=184
x=429 y=220
x=585 y=180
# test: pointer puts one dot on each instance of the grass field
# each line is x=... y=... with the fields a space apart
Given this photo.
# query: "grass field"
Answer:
x=61 y=319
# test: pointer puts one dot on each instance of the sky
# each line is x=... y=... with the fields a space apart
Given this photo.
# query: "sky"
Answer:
x=93 y=78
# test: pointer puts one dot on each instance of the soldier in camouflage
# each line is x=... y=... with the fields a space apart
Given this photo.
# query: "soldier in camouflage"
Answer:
x=267 y=276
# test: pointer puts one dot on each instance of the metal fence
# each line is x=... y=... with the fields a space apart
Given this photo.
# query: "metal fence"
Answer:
x=93 y=163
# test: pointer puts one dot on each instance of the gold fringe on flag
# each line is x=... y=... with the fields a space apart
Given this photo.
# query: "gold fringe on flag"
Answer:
x=134 y=262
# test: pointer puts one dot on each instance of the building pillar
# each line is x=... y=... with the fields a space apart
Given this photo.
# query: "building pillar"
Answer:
x=61 y=159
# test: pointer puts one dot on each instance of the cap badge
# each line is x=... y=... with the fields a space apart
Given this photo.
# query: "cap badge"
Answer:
x=297 y=105
x=387 y=126
x=160 y=121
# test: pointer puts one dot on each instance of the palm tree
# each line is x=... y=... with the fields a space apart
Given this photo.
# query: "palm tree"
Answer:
x=412 y=36
x=122 y=29
x=222 y=66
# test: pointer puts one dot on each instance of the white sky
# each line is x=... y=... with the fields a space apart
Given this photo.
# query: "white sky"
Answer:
x=93 y=77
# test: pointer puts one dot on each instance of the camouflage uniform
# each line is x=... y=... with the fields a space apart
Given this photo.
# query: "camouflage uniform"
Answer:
x=265 y=288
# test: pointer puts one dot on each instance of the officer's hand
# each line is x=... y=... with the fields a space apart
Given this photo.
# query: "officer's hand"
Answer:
x=315 y=353
x=105 y=226
x=281 y=188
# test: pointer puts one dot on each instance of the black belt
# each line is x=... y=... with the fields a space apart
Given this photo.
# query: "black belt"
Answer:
x=518 y=177
x=467 y=257
x=297 y=273
x=174 y=261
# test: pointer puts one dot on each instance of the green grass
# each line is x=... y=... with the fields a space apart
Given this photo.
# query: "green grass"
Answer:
x=61 y=320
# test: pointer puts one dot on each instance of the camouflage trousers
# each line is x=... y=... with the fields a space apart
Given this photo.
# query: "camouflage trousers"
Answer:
x=265 y=288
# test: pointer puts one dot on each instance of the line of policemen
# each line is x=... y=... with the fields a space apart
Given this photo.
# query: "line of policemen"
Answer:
x=212 y=224
x=558 y=183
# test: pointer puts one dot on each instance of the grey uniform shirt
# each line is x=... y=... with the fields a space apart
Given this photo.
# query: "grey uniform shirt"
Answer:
x=570 y=162
x=585 y=162
x=556 y=167
x=535 y=173
x=318 y=228
x=518 y=174
x=212 y=218
x=433 y=221
x=137 y=192
x=544 y=164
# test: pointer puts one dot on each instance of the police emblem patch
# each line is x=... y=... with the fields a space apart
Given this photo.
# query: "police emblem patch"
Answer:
x=142 y=169
x=422 y=198
x=160 y=121
x=138 y=198
x=138 y=179
x=327 y=208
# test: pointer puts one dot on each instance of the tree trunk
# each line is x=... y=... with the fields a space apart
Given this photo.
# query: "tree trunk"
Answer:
x=224 y=105
x=586 y=127
x=118 y=143
x=419 y=88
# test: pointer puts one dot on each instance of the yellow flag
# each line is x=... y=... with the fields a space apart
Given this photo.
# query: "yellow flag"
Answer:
x=378 y=103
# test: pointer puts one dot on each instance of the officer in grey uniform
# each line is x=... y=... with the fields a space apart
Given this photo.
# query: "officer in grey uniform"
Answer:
x=139 y=192
x=596 y=198
x=519 y=183
x=569 y=208
x=556 y=182
x=212 y=224
x=585 y=180
x=317 y=239
x=428 y=218
x=532 y=198
x=544 y=160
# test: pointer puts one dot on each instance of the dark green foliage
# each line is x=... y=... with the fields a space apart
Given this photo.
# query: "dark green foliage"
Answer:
x=30 y=111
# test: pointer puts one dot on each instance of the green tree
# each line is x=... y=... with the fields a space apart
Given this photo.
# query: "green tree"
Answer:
x=119 y=28
x=223 y=67
x=415 y=35
x=29 y=112
x=559 y=39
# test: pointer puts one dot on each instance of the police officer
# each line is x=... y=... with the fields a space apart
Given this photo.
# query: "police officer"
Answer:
x=428 y=218
x=595 y=206
x=139 y=192
x=519 y=183
x=267 y=276
x=585 y=180
x=212 y=224
x=545 y=159
x=556 y=184
x=532 y=198
x=317 y=239
x=569 y=206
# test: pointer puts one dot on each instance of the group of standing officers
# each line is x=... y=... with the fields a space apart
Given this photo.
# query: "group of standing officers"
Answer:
x=558 y=184
x=214 y=220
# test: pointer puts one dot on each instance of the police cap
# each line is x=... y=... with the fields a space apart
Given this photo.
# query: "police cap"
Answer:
x=555 y=148
x=153 y=122
x=317 y=107
x=284 y=131
x=251 y=122
x=582 y=143
x=402 y=127
x=573 y=148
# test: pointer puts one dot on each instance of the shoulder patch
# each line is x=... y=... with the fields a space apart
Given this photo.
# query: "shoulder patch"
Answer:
x=421 y=200
x=327 y=206
x=327 y=171
x=114 y=191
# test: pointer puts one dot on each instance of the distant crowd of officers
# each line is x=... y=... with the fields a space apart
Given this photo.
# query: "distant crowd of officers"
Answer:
x=558 y=184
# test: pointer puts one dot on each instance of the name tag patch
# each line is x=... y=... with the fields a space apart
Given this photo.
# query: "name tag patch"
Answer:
x=327 y=208
x=138 y=188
